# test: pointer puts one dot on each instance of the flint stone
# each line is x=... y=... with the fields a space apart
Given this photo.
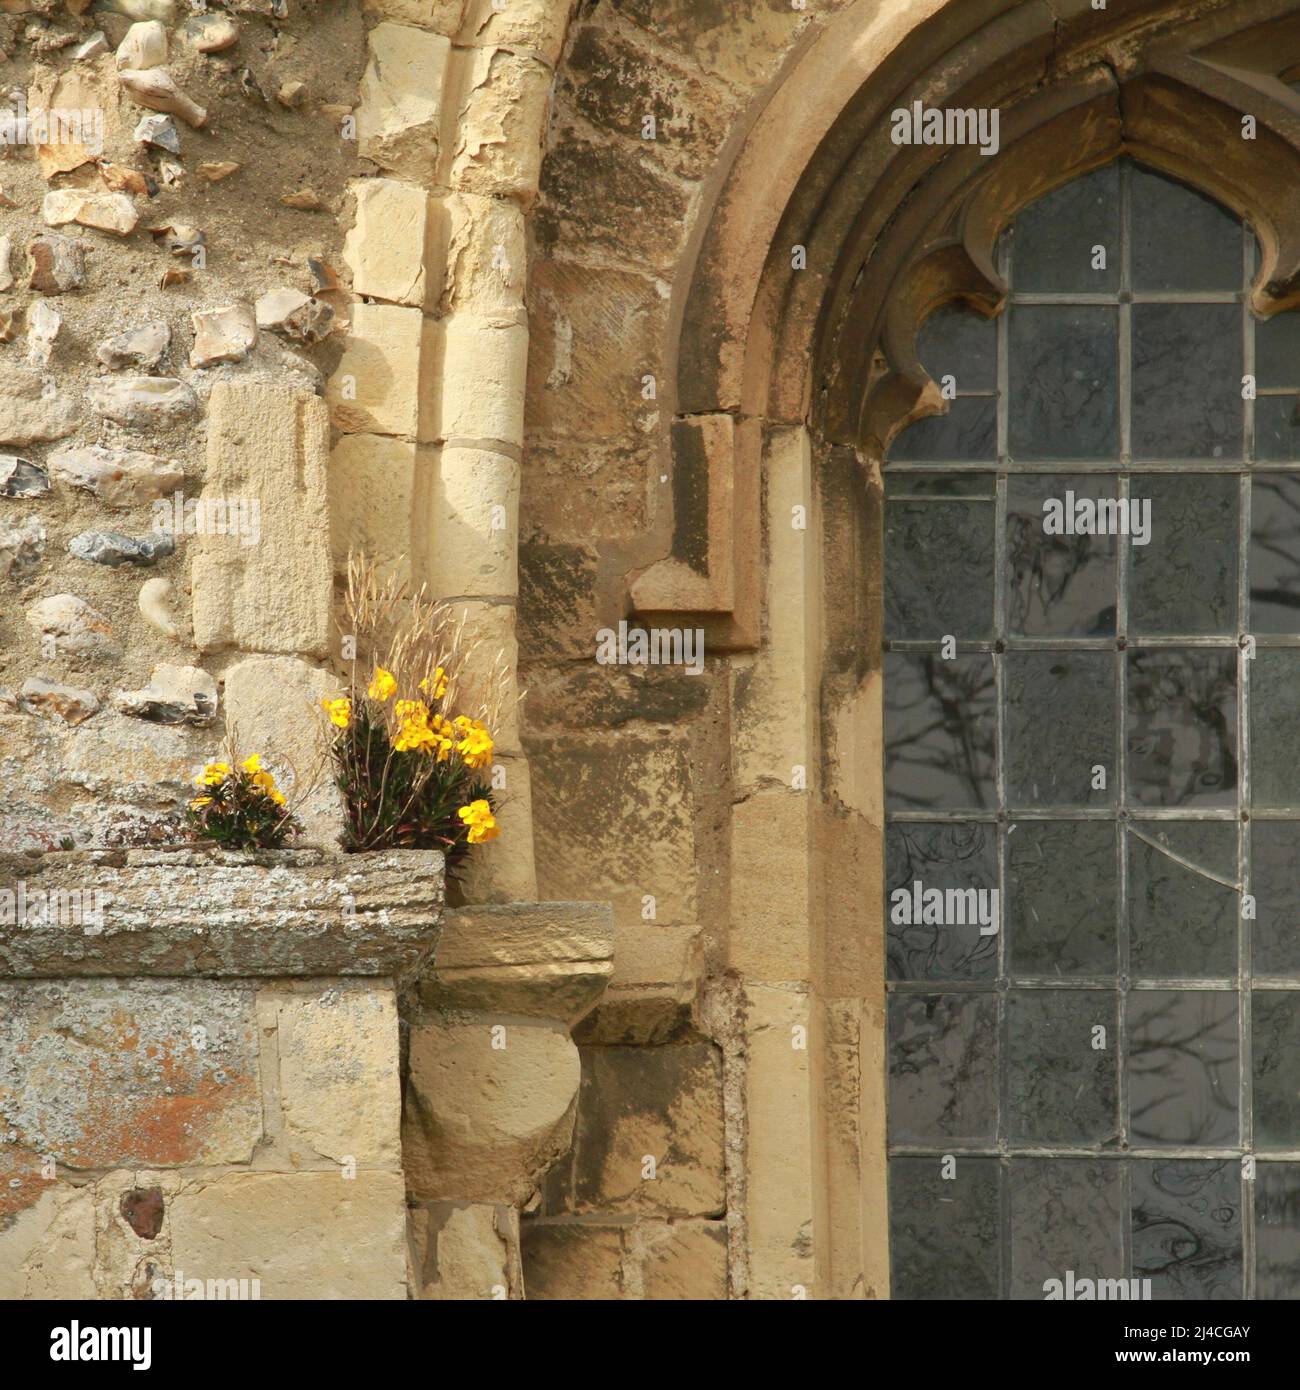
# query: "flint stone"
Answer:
x=65 y=702
x=21 y=478
x=174 y=695
x=73 y=624
x=112 y=548
x=105 y=212
x=295 y=314
x=158 y=130
x=22 y=547
x=58 y=264
x=222 y=335
x=118 y=477
x=142 y=400
x=145 y=347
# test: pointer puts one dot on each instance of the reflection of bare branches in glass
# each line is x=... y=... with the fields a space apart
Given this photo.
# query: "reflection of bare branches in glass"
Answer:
x=1059 y=584
x=940 y=856
x=1182 y=736
x=1275 y=545
x=1183 y=1068
x=940 y=731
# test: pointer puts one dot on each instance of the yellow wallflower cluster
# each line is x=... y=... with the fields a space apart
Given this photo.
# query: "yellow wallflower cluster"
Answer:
x=482 y=823
x=422 y=731
x=475 y=743
x=439 y=683
x=339 y=711
x=214 y=774
x=382 y=685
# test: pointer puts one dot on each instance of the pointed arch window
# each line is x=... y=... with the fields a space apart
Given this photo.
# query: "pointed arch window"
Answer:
x=1092 y=715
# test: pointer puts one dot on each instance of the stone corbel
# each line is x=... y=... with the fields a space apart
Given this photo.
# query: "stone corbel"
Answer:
x=492 y=1080
x=711 y=577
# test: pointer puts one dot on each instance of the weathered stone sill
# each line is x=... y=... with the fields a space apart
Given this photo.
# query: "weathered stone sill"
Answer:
x=187 y=912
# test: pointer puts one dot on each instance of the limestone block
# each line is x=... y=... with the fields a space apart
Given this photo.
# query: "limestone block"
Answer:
x=27 y=415
x=169 y=912
x=771 y=937
x=481 y=1123
x=639 y=1104
x=502 y=118
x=490 y=664
x=534 y=24
x=399 y=117
x=596 y=334
x=504 y=870
x=273 y=708
x=304 y=1235
x=780 y=1166
x=686 y=1260
x=374 y=483
x=614 y=819
x=474 y=524
x=543 y=960
x=483 y=363
x=384 y=372
x=339 y=1087
x=568 y=1261
x=465 y=1251
x=652 y=996
x=484 y=249
x=269 y=443
x=389 y=244
x=442 y=16
x=47 y=1250
x=156 y=1073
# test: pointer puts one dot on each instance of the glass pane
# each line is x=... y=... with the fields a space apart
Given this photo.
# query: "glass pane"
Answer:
x=1274 y=719
x=1066 y=1213
x=1063 y=371
x=968 y=431
x=1055 y=241
x=960 y=343
x=1182 y=727
x=1062 y=1087
x=923 y=944
x=1181 y=239
x=940 y=732
x=1183 y=1082
x=1060 y=584
x=1182 y=900
x=1061 y=898
x=1060 y=728
x=1277 y=351
x=1275 y=1048
x=1277 y=1230
x=1183 y=578
x=943 y=1074
x=1187 y=1227
x=910 y=486
x=1187 y=381
x=1277 y=429
x=943 y=1230
x=938 y=569
x=1275 y=553
x=1275 y=886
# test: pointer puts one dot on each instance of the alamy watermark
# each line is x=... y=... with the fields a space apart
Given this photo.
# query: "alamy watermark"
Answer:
x=656 y=646
x=178 y=1288
x=919 y=124
x=1072 y=1289
x=179 y=515
x=54 y=907
x=56 y=126
x=1098 y=516
x=945 y=907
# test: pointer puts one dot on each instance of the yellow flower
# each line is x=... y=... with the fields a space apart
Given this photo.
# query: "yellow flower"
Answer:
x=253 y=764
x=213 y=775
x=439 y=683
x=480 y=820
x=277 y=797
x=475 y=744
x=414 y=710
x=382 y=685
x=200 y=801
x=339 y=711
x=264 y=781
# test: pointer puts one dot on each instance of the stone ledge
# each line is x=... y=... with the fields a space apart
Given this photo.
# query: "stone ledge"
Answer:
x=286 y=913
x=540 y=960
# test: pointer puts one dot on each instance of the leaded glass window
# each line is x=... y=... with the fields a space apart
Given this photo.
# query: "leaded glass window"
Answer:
x=1092 y=768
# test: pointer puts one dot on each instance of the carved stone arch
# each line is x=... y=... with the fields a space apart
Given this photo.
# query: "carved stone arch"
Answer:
x=893 y=232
